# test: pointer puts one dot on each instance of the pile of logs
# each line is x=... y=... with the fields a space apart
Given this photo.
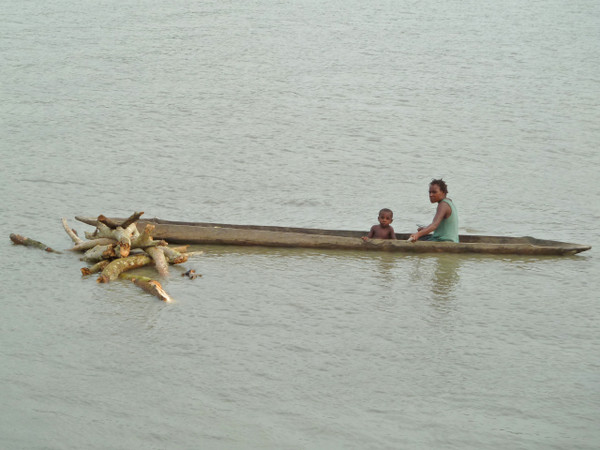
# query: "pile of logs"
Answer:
x=114 y=248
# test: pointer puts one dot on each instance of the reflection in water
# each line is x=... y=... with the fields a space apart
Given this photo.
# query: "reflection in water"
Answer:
x=440 y=275
x=445 y=276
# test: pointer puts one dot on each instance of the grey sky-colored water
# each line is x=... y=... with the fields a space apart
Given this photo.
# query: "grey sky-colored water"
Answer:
x=302 y=114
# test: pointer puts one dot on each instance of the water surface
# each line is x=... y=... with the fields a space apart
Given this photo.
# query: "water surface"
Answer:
x=307 y=115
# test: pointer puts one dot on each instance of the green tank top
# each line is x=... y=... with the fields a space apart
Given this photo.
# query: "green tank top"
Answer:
x=448 y=229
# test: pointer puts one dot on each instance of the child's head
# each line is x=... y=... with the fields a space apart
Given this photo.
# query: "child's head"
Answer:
x=386 y=216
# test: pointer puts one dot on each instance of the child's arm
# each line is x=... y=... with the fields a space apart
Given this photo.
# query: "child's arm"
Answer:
x=371 y=233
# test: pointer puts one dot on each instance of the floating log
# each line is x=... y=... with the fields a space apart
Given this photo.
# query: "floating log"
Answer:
x=112 y=271
x=100 y=252
x=149 y=285
x=132 y=219
x=144 y=239
x=108 y=222
x=101 y=231
x=173 y=256
x=86 y=245
x=76 y=239
x=160 y=262
x=122 y=235
x=113 y=224
x=22 y=240
x=98 y=267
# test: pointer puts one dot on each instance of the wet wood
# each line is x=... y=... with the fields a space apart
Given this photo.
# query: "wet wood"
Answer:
x=160 y=262
x=112 y=224
x=272 y=236
x=144 y=239
x=149 y=285
x=98 y=267
x=71 y=233
x=124 y=237
x=86 y=245
x=173 y=256
x=100 y=252
x=112 y=271
x=27 y=242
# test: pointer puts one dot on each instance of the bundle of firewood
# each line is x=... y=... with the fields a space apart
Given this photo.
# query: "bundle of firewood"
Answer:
x=114 y=248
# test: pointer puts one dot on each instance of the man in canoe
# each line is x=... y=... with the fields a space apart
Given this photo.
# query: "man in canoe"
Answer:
x=384 y=229
x=445 y=222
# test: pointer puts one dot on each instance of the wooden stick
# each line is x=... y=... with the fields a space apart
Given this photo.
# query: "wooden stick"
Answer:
x=22 y=240
x=149 y=285
x=113 y=225
x=118 y=266
x=132 y=219
x=158 y=255
x=106 y=221
x=144 y=239
x=86 y=245
x=71 y=232
x=100 y=252
x=98 y=267
x=174 y=257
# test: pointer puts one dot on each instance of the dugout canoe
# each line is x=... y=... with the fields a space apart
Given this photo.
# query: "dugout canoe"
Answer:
x=274 y=236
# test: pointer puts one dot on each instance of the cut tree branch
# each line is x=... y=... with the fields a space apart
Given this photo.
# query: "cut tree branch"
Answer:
x=149 y=285
x=22 y=240
x=71 y=232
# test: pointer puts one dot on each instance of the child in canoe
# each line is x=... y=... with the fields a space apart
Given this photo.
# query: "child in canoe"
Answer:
x=384 y=230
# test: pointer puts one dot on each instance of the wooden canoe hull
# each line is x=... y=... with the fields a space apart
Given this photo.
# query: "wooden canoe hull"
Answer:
x=270 y=236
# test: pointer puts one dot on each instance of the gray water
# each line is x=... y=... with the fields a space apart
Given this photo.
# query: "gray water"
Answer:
x=308 y=114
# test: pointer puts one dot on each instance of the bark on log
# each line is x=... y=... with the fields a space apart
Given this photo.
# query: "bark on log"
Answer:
x=122 y=235
x=101 y=231
x=71 y=232
x=22 y=240
x=149 y=285
x=99 y=252
x=144 y=239
x=106 y=221
x=153 y=287
x=160 y=262
x=98 y=267
x=86 y=245
x=90 y=235
x=123 y=249
x=111 y=224
x=118 y=266
x=132 y=219
x=173 y=256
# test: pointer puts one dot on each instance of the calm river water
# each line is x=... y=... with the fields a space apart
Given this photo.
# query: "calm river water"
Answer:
x=308 y=114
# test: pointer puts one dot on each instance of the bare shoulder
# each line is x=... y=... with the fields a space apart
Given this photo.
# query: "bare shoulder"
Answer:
x=392 y=234
x=445 y=208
